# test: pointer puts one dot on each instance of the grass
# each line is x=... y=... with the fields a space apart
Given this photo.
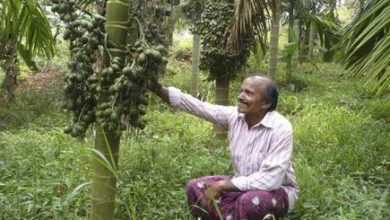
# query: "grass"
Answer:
x=341 y=154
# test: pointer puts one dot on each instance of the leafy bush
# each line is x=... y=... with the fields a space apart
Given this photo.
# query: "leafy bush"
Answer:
x=380 y=110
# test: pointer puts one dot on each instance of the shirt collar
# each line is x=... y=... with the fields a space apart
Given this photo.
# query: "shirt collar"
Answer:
x=266 y=121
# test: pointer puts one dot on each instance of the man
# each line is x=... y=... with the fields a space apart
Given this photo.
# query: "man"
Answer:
x=261 y=144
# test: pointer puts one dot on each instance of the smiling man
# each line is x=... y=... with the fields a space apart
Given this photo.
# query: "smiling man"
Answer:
x=261 y=144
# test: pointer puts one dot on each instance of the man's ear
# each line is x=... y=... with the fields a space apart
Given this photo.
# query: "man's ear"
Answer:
x=267 y=105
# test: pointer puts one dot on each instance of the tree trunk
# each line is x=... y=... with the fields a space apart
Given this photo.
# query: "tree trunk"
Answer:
x=311 y=41
x=221 y=98
x=172 y=22
x=311 y=34
x=290 y=40
x=332 y=6
x=297 y=33
x=103 y=186
x=195 y=53
x=9 y=63
x=274 y=42
x=195 y=65
x=297 y=30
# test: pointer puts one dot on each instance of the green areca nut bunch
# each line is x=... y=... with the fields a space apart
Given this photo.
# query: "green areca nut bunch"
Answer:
x=153 y=34
x=214 y=29
x=128 y=87
x=84 y=36
x=115 y=96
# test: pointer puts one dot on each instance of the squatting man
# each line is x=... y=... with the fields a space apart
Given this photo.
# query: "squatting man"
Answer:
x=261 y=144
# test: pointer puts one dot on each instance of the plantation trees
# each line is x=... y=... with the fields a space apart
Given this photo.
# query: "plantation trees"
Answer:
x=24 y=30
x=110 y=93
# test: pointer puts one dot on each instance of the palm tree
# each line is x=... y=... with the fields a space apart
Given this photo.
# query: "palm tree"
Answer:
x=292 y=46
x=222 y=61
x=24 y=29
x=251 y=18
x=317 y=20
x=103 y=187
x=197 y=5
x=191 y=11
x=366 y=45
x=274 y=41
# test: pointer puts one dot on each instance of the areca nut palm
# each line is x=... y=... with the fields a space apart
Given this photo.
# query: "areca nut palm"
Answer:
x=251 y=18
x=223 y=64
x=111 y=96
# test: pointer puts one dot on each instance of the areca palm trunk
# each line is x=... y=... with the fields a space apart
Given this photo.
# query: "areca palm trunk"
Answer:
x=290 y=40
x=311 y=40
x=195 y=53
x=103 y=188
x=195 y=65
x=311 y=35
x=298 y=34
x=274 y=41
x=332 y=6
x=221 y=98
x=9 y=63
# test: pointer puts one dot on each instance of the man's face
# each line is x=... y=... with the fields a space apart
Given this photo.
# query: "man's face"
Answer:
x=252 y=96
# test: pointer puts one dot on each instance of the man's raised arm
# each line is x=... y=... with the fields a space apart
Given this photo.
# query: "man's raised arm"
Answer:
x=216 y=114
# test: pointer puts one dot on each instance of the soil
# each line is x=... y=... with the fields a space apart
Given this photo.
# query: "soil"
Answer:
x=47 y=78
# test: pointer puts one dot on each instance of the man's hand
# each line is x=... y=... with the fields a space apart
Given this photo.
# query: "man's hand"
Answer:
x=214 y=191
x=154 y=85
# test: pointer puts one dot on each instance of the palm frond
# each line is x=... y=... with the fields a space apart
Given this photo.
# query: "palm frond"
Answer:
x=328 y=28
x=250 y=18
x=24 y=22
x=34 y=29
x=366 y=44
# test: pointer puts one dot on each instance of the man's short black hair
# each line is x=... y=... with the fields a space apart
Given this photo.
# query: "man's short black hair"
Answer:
x=271 y=91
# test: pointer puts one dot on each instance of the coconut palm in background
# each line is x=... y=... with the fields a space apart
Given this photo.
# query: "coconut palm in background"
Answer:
x=24 y=29
x=366 y=44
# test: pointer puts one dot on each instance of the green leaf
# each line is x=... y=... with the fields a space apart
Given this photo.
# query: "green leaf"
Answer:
x=27 y=57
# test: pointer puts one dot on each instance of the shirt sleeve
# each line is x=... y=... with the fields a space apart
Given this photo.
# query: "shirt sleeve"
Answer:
x=273 y=169
x=216 y=114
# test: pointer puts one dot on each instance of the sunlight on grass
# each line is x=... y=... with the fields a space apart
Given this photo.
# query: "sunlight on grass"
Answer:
x=182 y=40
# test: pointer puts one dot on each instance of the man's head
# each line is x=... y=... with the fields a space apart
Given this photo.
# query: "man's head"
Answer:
x=258 y=94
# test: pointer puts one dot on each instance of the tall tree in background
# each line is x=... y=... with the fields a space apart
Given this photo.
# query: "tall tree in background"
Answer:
x=24 y=30
x=192 y=11
x=223 y=65
x=366 y=45
x=250 y=20
x=274 y=41
x=292 y=45
x=197 y=10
